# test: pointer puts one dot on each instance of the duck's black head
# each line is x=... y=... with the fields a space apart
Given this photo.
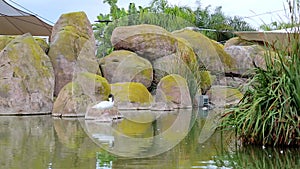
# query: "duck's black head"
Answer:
x=111 y=96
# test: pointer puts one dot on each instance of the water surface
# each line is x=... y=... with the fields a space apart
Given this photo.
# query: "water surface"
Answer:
x=183 y=139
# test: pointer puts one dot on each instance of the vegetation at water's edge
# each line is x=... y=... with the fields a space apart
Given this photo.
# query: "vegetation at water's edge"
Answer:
x=268 y=114
x=253 y=157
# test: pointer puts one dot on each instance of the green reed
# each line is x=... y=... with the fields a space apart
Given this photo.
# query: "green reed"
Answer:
x=269 y=111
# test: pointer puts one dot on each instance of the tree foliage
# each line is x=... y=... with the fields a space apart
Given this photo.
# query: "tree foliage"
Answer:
x=276 y=26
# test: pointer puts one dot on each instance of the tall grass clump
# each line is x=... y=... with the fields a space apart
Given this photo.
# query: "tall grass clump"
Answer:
x=268 y=114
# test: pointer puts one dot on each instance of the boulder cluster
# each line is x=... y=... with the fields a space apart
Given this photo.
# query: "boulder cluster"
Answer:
x=150 y=68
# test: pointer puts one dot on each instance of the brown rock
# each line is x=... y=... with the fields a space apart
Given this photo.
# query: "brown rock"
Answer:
x=131 y=92
x=151 y=42
x=174 y=89
x=104 y=115
x=245 y=56
x=26 y=78
x=75 y=97
x=126 y=66
x=208 y=52
x=72 y=48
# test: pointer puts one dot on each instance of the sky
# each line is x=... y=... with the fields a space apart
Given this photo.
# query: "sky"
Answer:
x=264 y=9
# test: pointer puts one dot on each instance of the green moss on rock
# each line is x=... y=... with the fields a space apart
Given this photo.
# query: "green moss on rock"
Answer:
x=225 y=58
x=137 y=68
x=4 y=40
x=206 y=81
x=29 y=74
x=131 y=92
x=209 y=53
x=173 y=88
x=224 y=96
x=93 y=84
x=42 y=43
x=237 y=41
x=75 y=22
x=4 y=90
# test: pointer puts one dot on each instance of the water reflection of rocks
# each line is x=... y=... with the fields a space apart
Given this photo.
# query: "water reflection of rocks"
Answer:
x=141 y=133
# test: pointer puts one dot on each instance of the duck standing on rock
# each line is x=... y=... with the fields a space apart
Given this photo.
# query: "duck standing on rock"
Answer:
x=105 y=104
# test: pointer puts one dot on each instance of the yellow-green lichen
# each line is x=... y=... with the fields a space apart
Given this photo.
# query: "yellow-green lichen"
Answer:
x=238 y=41
x=4 y=40
x=76 y=22
x=131 y=92
x=205 y=47
x=185 y=51
x=169 y=83
x=4 y=90
x=134 y=129
x=42 y=43
x=225 y=58
x=101 y=84
x=206 y=80
x=37 y=56
x=72 y=89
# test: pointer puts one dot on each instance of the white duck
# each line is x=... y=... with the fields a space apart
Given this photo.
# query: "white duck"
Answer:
x=105 y=104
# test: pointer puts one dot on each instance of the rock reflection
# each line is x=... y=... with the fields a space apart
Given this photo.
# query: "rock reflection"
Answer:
x=25 y=143
x=141 y=134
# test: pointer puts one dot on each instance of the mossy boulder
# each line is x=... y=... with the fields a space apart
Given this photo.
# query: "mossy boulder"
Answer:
x=200 y=80
x=224 y=96
x=72 y=48
x=75 y=97
x=131 y=92
x=237 y=41
x=43 y=44
x=93 y=85
x=278 y=39
x=245 y=56
x=226 y=59
x=209 y=53
x=4 y=40
x=206 y=80
x=26 y=78
x=171 y=64
x=126 y=66
x=151 y=42
x=173 y=89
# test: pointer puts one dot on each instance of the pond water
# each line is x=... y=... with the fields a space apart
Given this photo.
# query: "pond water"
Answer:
x=179 y=139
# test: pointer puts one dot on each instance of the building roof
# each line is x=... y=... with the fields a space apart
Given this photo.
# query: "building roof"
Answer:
x=17 y=22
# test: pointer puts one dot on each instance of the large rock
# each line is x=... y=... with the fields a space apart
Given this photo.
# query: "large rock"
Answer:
x=151 y=42
x=208 y=52
x=26 y=78
x=126 y=66
x=245 y=56
x=200 y=80
x=43 y=43
x=102 y=115
x=174 y=89
x=237 y=41
x=132 y=94
x=224 y=96
x=170 y=64
x=72 y=48
x=279 y=39
x=75 y=97
x=5 y=39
